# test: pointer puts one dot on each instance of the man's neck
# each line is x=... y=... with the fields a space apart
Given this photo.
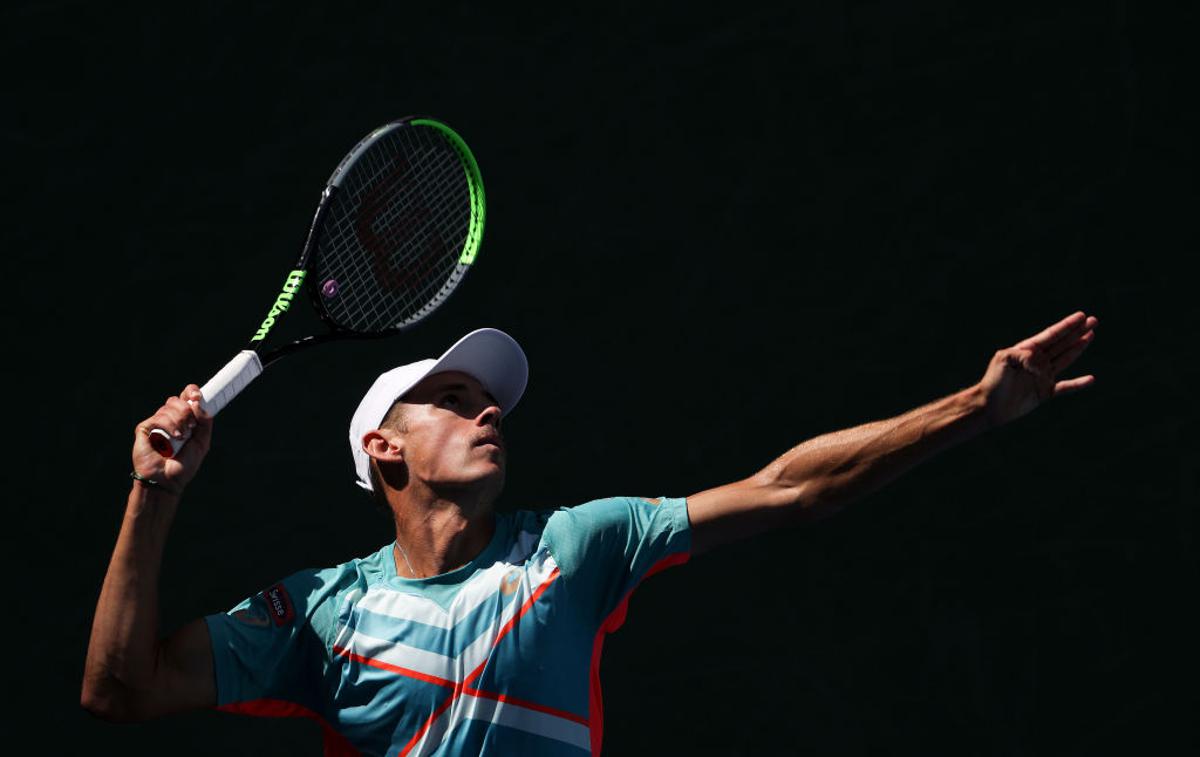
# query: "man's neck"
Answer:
x=435 y=535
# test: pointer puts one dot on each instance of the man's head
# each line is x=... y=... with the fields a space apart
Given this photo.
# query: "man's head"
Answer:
x=438 y=420
x=446 y=432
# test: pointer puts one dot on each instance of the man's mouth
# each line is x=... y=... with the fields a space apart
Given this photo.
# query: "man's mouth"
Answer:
x=489 y=439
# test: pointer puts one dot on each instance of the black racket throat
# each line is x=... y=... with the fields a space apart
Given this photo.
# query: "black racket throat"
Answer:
x=268 y=356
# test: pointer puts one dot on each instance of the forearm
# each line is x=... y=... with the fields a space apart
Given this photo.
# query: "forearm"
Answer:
x=829 y=471
x=123 y=651
x=836 y=468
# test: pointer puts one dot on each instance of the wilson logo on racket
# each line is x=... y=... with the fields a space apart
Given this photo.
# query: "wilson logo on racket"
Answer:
x=294 y=280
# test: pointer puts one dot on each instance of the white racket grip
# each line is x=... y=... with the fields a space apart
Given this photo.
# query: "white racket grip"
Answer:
x=230 y=381
x=217 y=393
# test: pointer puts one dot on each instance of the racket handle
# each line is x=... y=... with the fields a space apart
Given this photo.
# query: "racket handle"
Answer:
x=214 y=396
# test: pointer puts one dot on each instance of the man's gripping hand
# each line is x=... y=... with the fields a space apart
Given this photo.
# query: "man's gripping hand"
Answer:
x=176 y=416
x=1020 y=378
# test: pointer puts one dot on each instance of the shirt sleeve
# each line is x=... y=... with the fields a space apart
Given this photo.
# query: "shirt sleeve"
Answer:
x=605 y=548
x=271 y=646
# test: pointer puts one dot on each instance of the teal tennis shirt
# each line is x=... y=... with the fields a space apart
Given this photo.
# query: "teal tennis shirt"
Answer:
x=500 y=656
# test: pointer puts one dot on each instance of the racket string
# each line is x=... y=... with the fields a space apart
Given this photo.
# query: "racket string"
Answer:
x=395 y=232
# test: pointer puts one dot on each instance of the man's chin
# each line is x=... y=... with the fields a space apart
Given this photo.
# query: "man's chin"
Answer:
x=488 y=481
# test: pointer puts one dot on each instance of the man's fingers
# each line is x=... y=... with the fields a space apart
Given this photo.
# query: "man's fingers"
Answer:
x=1071 y=352
x=181 y=411
x=176 y=416
x=195 y=401
x=1049 y=336
x=1062 y=334
x=1073 y=385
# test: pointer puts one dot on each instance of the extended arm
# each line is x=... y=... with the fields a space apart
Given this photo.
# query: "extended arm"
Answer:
x=829 y=471
x=130 y=673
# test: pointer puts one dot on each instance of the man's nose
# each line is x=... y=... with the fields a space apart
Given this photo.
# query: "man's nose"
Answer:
x=490 y=415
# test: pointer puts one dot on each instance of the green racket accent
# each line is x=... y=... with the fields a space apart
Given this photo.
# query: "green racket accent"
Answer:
x=474 y=184
x=294 y=281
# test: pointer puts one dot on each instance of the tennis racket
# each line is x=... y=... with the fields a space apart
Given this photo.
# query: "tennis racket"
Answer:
x=397 y=228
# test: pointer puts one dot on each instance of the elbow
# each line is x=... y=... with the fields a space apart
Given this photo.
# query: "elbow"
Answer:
x=802 y=500
x=107 y=703
x=813 y=499
x=95 y=703
x=819 y=498
x=99 y=705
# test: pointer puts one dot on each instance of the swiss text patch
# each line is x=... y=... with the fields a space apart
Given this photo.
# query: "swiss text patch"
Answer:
x=279 y=604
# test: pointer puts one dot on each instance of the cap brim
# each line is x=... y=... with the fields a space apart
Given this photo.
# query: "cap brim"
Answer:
x=491 y=357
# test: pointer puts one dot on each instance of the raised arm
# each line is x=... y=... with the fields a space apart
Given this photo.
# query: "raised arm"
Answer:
x=827 y=472
x=130 y=673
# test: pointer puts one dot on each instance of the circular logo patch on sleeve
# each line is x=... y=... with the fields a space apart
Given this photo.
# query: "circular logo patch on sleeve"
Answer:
x=279 y=605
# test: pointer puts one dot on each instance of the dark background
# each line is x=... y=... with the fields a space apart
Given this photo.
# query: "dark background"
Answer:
x=716 y=233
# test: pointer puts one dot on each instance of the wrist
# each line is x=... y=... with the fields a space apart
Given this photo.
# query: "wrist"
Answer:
x=154 y=487
x=975 y=404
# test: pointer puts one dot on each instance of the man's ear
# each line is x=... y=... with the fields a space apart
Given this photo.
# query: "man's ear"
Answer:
x=384 y=445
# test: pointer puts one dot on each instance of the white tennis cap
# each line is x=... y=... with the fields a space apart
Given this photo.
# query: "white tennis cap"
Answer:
x=489 y=355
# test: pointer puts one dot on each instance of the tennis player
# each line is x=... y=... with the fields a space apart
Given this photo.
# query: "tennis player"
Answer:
x=477 y=631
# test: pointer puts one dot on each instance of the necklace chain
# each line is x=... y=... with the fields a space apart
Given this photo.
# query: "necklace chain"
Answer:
x=404 y=554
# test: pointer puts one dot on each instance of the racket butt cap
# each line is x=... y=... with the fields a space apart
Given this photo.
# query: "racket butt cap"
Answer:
x=162 y=443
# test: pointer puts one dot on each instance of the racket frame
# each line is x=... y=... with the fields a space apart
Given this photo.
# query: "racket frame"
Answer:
x=250 y=362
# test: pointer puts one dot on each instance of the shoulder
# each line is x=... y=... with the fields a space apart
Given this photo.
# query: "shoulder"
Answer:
x=529 y=521
x=613 y=522
x=315 y=586
x=608 y=509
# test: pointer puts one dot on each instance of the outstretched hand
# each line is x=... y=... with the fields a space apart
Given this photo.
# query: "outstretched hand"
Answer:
x=1020 y=378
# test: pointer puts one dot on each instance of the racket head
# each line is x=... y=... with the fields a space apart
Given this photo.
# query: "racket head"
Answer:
x=401 y=224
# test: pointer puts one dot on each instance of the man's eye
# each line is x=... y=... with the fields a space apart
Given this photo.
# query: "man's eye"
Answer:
x=450 y=399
